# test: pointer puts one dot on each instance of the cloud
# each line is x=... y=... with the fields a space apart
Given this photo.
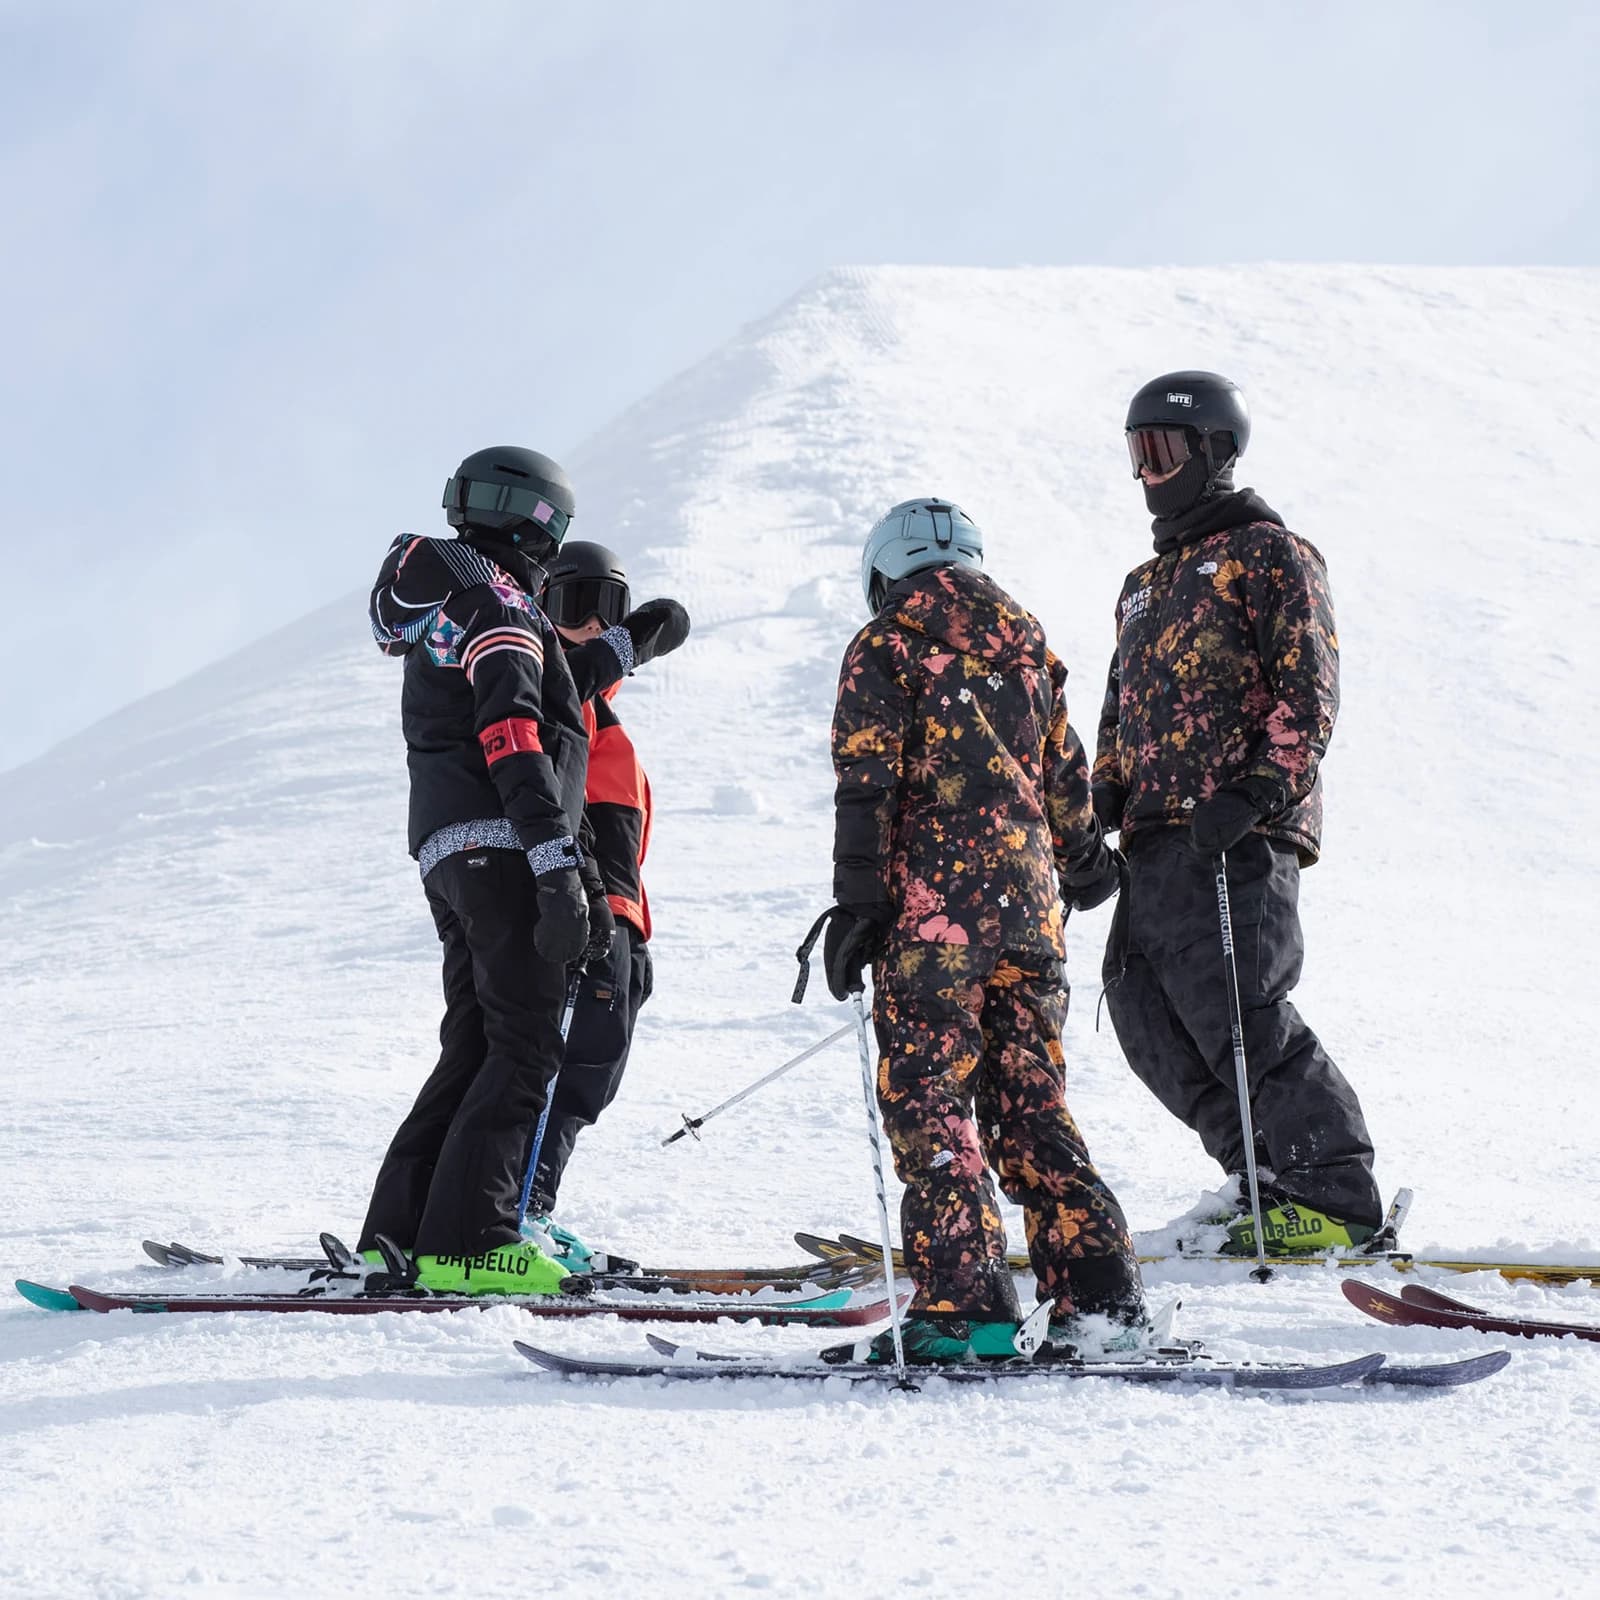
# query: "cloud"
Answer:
x=278 y=266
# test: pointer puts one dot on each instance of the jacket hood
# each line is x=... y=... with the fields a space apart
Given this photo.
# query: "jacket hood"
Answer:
x=968 y=611
x=416 y=579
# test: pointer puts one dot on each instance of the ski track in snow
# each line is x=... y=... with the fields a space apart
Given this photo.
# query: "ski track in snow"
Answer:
x=221 y=993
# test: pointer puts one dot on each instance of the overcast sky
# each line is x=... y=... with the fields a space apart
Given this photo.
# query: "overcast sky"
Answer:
x=273 y=266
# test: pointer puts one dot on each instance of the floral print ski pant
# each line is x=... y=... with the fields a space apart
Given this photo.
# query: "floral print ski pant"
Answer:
x=964 y=1029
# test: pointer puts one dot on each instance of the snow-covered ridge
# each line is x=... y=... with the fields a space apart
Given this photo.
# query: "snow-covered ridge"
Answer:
x=220 y=978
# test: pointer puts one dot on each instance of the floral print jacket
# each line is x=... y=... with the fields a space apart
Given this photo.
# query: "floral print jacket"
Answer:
x=1226 y=667
x=961 y=786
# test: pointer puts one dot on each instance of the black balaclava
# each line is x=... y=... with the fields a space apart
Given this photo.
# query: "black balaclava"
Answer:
x=519 y=560
x=1188 y=486
x=1186 y=498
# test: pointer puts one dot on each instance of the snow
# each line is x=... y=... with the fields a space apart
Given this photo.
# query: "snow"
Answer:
x=221 y=990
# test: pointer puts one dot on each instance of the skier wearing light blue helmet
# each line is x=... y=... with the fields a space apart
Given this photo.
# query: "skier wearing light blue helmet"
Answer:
x=912 y=536
x=964 y=830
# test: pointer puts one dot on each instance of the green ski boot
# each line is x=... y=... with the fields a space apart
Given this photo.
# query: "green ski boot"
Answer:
x=521 y=1269
x=1293 y=1228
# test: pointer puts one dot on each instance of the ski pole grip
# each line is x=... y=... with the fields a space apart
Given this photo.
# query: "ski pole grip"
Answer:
x=690 y=1125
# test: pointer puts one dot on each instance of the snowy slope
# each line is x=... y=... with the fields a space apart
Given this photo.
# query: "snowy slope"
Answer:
x=220 y=993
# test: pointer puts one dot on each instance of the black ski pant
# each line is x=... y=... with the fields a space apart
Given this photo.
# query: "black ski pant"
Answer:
x=452 y=1178
x=597 y=1053
x=1166 y=991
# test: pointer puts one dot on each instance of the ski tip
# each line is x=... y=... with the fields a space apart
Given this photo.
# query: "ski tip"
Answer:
x=1374 y=1301
x=1358 y=1368
x=46 y=1298
x=828 y=1251
x=1442 y=1374
x=540 y=1358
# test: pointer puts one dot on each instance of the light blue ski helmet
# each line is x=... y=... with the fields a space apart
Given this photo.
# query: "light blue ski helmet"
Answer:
x=913 y=536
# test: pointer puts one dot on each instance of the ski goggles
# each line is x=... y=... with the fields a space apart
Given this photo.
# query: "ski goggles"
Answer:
x=1159 y=450
x=570 y=602
x=471 y=494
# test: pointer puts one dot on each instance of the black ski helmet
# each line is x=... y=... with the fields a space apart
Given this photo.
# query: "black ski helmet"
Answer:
x=585 y=580
x=513 y=495
x=1205 y=403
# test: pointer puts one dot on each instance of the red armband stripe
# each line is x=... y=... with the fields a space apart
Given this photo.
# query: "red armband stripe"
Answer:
x=506 y=738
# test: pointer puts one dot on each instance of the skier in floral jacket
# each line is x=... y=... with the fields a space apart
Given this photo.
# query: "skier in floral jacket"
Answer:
x=1220 y=705
x=963 y=816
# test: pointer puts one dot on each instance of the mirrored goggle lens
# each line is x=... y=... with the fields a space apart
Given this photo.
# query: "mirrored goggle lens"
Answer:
x=470 y=495
x=570 y=602
x=1158 y=449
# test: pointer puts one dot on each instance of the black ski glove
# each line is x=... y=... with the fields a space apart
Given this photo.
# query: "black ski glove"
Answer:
x=602 y=930
x=562 y=931
x=854 y=937
x=1093 y=881
x=602 y=923
x=647 y=979
x=1219 y=823
x=655 y=629
x=1109 y=799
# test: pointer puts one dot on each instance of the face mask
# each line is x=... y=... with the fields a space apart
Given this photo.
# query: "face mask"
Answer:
x=1181 y=491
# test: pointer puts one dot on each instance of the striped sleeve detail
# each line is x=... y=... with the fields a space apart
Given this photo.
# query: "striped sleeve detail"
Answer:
x=506 y=738
x=467 y=566
x=495 y=641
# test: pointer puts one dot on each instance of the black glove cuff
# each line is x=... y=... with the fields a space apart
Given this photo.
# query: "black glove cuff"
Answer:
x=1109 y=799
x=1267 y=795
x=879 y=911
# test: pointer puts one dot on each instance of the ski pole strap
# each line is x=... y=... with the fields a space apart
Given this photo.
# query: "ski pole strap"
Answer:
x=803 y=954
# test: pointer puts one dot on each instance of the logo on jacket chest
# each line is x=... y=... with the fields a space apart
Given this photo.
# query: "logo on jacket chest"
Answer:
x=1135 y=605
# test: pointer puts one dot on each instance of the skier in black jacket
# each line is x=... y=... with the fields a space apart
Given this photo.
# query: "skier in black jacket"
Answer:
x=1220 y=704
x=497 y=750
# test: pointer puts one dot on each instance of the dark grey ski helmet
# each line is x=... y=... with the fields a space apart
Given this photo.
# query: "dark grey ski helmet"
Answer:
x=513 y=494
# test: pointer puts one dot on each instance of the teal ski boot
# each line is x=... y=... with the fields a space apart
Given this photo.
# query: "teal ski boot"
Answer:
x=934 y=1339
x=562 y=1244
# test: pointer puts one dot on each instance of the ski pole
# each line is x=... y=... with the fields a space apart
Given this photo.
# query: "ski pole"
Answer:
x=549 y=1096
x=1241 y=1071
x=869 y=1090
x=695 y=1124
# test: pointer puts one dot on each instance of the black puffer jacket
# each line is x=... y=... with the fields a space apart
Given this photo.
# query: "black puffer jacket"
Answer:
x=493 y=722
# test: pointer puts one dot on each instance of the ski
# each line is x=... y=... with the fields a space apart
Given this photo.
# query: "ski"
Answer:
x=1213 y=1375
x=848 y=1247
x=838 y=1310
x=1423 y=1375
x=1427 y=1308
x=183 y=1255
x=801 y=1277
x=46 y=1298
x=1442 y=1374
